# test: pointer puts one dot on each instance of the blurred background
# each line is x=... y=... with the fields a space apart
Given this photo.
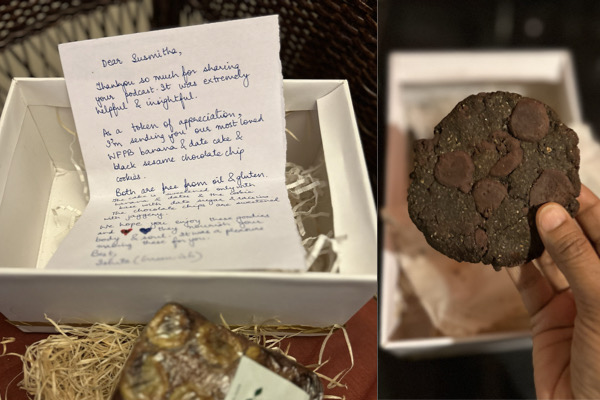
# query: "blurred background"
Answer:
x=496 y=25
x=409 y=368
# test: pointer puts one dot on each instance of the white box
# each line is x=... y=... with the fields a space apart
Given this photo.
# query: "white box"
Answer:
x=423 y=87
x=36 y=174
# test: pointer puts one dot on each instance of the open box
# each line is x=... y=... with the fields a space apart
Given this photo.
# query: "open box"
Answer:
x=423 y=87
x=37 y=175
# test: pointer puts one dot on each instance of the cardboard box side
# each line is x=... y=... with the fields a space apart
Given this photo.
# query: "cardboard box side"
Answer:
x=24 y=202
x=304 y=146
x=388 y=309
x=65 y=204
x=481 y=66
x=59 y=135
x=448 y=347
x=44 y=91
x=570 y=97
x=11 y=120
x=273 y=300
x=300 y=94
x=490 y=70
x=354 y=207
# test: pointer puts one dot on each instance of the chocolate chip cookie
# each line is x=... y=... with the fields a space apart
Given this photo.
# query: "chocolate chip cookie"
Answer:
x=477 y=184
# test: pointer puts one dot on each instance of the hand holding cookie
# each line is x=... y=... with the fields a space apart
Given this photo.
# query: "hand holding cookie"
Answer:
x=563 y=300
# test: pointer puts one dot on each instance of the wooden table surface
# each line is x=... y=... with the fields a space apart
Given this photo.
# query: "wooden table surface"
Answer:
x=361 y=381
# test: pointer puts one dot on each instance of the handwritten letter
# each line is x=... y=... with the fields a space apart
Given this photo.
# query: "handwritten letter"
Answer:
x=182 y=132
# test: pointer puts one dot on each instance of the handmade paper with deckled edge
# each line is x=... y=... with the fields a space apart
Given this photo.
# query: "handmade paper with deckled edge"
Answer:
x=253 y=381
x=182 y=133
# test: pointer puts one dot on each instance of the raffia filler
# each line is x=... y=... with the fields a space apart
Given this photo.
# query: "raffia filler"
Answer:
x=85 y=362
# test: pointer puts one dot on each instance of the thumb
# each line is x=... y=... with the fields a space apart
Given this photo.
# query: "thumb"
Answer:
x=572 y=252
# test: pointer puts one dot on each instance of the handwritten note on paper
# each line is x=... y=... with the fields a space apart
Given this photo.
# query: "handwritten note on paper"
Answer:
x=182 y=132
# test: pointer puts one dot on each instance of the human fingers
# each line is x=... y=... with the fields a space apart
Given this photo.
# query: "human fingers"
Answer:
x=572 y=252
x=588 y=216
x=534 y=289
x=550 y=270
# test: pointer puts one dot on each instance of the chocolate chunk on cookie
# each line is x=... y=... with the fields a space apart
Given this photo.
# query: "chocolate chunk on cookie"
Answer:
x=455 y=169
x=513 y=157
x=551 y=185
x=488 y=195
x=477 y=184
x=529 y=120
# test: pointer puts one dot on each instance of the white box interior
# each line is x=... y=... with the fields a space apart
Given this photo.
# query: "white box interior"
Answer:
x=423 y=87
x=39 y=186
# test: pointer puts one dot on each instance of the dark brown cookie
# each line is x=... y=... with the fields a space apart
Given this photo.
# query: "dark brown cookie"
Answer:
x=491 y=163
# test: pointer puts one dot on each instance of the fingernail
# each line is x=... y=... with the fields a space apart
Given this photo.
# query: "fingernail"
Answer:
x=551 y=216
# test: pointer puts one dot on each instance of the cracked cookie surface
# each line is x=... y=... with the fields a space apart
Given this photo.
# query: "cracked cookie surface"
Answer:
x=477 y=184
